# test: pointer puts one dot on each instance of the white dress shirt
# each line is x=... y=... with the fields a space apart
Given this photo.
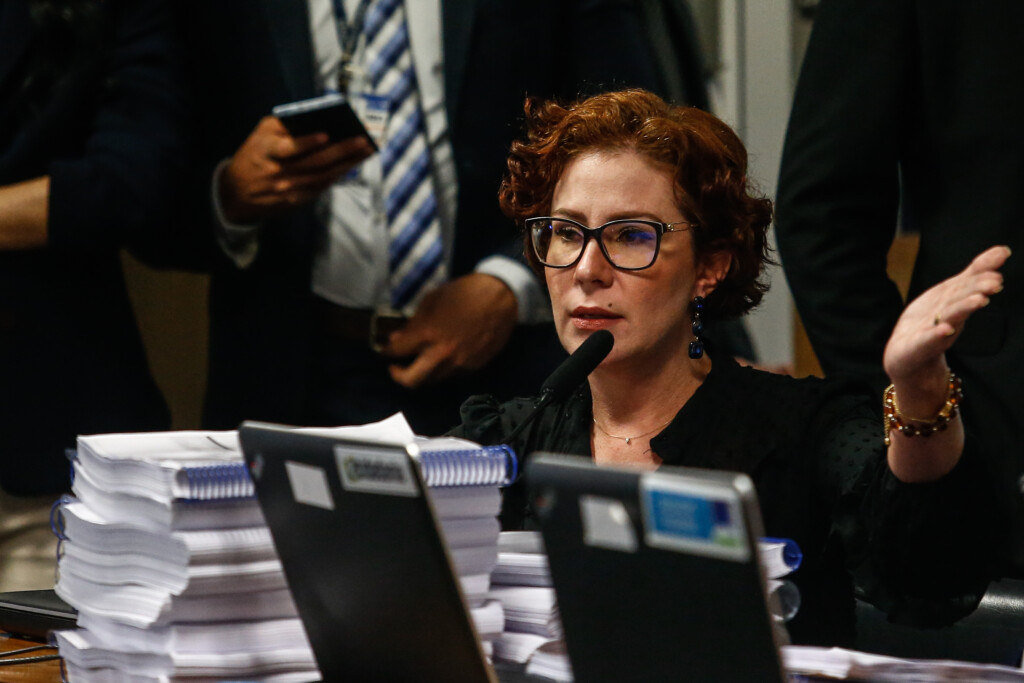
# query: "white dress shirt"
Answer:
x=351 y=268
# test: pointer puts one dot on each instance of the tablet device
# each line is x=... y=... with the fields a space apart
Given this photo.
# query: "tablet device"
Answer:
x=364 y=557
x=656 y=574
x=331 y=114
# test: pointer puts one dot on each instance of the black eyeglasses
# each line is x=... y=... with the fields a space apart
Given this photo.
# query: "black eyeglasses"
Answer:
x=628 y=244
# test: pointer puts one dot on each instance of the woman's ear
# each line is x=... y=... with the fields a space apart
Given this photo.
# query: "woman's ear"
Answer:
x=713 y=269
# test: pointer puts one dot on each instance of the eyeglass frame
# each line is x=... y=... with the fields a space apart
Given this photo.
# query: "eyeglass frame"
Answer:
x=596 y=233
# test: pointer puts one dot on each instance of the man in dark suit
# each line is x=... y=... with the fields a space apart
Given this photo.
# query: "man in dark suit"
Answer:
x=91 y=120
x=911 y=105
x=91 y=117
x=280 y=352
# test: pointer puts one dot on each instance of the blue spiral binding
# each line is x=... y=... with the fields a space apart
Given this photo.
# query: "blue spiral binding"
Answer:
x=72 y=455
x=230 y=481
x=485 y=466
x=57 y=527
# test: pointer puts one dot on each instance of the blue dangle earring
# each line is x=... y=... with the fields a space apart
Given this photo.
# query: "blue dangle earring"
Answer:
x=697 y=345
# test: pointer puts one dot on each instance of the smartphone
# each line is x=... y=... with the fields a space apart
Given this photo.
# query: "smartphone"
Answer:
x=331 y=114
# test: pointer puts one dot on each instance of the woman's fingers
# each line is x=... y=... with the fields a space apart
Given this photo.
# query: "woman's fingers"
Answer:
x=969 y=291
x=992 y=258
x=933 y=321
x=956 y=312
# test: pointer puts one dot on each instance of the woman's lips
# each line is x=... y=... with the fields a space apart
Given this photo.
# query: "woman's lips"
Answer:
x=589 y=318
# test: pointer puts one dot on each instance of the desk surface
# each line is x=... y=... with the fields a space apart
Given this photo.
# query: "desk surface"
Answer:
x=35 y=672
x=49 y=672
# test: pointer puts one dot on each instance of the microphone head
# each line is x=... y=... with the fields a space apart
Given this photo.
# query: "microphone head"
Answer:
x=574 y=370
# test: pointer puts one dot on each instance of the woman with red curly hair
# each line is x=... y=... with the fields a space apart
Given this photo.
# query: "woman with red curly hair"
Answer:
x=642 y=221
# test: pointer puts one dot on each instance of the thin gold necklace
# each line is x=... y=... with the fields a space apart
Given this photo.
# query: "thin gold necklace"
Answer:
x=629 y=439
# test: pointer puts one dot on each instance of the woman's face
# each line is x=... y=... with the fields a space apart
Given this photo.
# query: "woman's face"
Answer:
x=647 y=311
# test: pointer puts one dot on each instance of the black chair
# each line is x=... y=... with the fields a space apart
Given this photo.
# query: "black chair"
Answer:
x=992 y=634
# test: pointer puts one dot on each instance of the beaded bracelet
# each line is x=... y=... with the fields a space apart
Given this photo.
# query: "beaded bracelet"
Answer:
x=895 y=420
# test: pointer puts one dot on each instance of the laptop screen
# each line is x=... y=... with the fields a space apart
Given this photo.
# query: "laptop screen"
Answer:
x=369 y=571
x=656 y=573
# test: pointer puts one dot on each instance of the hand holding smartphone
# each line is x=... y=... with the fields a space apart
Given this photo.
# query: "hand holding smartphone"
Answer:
x=330 y=114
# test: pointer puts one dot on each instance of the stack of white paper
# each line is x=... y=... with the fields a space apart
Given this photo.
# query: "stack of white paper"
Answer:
x=522 y=582
x=172 y=569
x=170 y=564
x=468 y=516
x=840 y=664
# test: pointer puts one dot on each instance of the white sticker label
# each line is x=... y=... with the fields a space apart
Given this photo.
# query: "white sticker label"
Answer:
x=373 y=471
x=606 y=524
x=309 y=485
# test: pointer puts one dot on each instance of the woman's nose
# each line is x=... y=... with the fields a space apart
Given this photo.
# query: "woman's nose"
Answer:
x=593 y=266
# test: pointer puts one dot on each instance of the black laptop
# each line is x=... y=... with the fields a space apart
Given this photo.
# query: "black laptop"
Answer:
x=360 y=545
x=656 y=574
x=33 y=614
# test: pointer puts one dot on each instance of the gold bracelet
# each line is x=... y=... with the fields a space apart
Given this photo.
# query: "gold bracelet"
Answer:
x=895 y=420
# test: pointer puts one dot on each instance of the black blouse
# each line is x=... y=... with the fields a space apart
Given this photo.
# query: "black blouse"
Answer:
x=814 y=449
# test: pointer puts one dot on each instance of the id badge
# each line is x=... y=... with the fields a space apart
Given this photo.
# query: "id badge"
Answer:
x=375 y=117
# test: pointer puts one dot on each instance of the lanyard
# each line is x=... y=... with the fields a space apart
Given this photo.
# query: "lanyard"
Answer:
x=348 y=36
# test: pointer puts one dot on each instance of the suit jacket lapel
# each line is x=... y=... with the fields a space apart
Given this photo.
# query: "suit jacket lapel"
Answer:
x=288 y=21
x=16 y=32
x=458 y=17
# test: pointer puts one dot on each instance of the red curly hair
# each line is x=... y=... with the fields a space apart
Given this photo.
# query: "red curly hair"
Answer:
x=708 y=162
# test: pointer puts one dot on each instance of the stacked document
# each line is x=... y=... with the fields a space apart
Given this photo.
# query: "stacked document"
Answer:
x=522 y=582
x=168 y=560
x=839 y=664
x=467 y=504
x=173 y=572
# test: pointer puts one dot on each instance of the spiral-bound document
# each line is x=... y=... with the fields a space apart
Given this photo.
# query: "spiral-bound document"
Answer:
x=166 y=466
x=174 y=572
x=208 y=465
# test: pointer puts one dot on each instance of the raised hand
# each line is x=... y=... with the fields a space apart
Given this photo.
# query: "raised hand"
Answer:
x=932 y=322
x=915 y=360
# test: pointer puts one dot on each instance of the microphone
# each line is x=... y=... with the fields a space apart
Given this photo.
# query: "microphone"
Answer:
x=570 y=374
x=574 y=369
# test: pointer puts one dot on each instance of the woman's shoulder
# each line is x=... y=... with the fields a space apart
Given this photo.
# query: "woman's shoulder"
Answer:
x=780 y=381
x=481 y=409
x=784 y=399
x=756 y=383
x=488 y=420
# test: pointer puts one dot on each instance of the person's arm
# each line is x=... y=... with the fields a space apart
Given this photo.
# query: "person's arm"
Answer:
x=838 y=193
x=24 y=208
x=120 y=188
x=924 y=528
x=916 y=364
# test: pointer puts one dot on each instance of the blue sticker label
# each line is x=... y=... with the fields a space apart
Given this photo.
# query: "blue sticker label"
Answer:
x=697 y=518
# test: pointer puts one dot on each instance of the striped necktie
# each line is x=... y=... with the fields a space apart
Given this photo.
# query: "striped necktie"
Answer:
x=415 y=250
